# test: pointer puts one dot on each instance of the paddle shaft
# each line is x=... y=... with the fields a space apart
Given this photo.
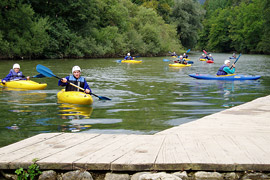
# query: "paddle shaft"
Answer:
x=236 y=60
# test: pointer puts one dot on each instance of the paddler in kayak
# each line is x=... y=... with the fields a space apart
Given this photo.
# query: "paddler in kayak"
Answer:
x=225 y=69
x=210 y=57
x=76 y=79
x=128 y=57
x=15 y=74
x=181 y=60
x=233 y=56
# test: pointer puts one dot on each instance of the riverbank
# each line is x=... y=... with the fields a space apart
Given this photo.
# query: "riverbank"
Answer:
x=233 y=140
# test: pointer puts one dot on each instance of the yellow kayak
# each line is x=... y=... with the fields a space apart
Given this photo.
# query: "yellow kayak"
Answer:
x=179 y=65
x=202 y=59
x=74 y=97
x=24 y=84
x=186 y=59
x=132 y=61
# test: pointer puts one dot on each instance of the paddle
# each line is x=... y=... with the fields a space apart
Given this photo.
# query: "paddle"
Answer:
x=236 y=60
x=48 y=73
x=205 y=52
x=38 y=76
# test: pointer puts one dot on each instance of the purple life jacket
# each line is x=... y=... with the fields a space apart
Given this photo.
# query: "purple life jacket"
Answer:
x=15 y=75
x=221 y=71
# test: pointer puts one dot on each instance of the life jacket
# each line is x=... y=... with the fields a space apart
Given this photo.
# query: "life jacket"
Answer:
x=128 y=58
x=79 y=82
x=18 y=75
x=221 y=71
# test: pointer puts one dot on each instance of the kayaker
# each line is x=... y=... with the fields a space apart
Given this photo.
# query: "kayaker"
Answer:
x=185 y=56
x=76 y=79
x=225 y=69
x=181 y=60
x=203 y=57
x=173 y=54
x=210 y=57
x=128 y=57
x=15 y=74
x=233 y=56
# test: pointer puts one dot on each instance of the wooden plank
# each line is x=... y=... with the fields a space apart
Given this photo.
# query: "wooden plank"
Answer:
x=27 y=142
x=50 y=148
x=102 y=159
x=172 y=155
x=75 y=153
x=142 y=156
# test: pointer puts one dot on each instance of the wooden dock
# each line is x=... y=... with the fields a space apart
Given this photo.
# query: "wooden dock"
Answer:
x=236 y=139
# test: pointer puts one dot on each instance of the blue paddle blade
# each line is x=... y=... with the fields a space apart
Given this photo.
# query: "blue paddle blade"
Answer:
x=103 y=98
x=188 y=50
x=44 y=71
x=166 y=60
x=38 y=76
x=190 y=62
x=118 y=61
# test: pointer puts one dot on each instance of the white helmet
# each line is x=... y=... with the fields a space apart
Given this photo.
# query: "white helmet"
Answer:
x=180 y=56
x=128 y=54
x=226 y=61
x=210 y=54
x=202 y=54
x=76 y=68
x=16 y=66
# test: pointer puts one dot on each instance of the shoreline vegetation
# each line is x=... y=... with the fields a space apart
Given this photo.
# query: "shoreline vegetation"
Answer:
x=111 y=28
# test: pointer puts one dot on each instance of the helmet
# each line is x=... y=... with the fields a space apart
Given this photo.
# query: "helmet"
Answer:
x=16 y=66
x=202 y=54
x=76 y=68
x=210 y=54
x=180 y=56
x=226 y=61
x=128 y=54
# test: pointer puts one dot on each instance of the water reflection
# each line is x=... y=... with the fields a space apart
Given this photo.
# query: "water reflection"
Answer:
x=74 y=111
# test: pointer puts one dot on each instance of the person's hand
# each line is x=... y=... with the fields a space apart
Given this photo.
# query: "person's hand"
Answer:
x=87 y=91
x=27 y=77
x=4 y=82
x=233 y=65
x=64 y=80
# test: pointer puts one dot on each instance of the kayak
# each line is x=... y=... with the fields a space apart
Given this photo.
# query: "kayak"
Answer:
x=74 y=97
x=186 y=59
x=174 y=56
x=202 y=59
x=179 y=65
x=132 y=61
x=209 y=61
x=24 y=84
x=230 y=77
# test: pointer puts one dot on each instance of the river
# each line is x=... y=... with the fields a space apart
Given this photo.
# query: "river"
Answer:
x=146 y=98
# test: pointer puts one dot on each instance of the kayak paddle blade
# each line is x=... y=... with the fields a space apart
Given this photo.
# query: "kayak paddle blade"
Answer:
x=44 y=71
x=188 y=50
x=190 y=62
x=166 y=60
x=103 y=98
x=38 y=76
x=118 y=61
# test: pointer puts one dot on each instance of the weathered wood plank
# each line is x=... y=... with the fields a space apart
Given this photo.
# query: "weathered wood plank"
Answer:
x=142 y=156
x=102 y=159
x=75 y=153
x=51 y=147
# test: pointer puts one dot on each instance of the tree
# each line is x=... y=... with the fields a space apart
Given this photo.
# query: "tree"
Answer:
x=187 y=15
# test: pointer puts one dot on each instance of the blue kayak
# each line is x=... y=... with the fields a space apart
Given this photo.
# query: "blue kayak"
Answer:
x=230 y=77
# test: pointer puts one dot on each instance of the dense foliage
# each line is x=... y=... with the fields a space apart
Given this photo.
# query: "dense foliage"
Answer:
x=241 y=26
x=83 y=28
x=111 y=28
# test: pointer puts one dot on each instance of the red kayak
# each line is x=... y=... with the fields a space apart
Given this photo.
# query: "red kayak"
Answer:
x=209 y=61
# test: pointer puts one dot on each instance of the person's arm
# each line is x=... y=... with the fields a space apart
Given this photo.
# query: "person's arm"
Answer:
x=86 y=87
x=60 y=83
x=228 y=70
x=7 y=78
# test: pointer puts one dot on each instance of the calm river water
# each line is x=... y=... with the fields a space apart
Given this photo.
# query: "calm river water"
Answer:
x=146 y=98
